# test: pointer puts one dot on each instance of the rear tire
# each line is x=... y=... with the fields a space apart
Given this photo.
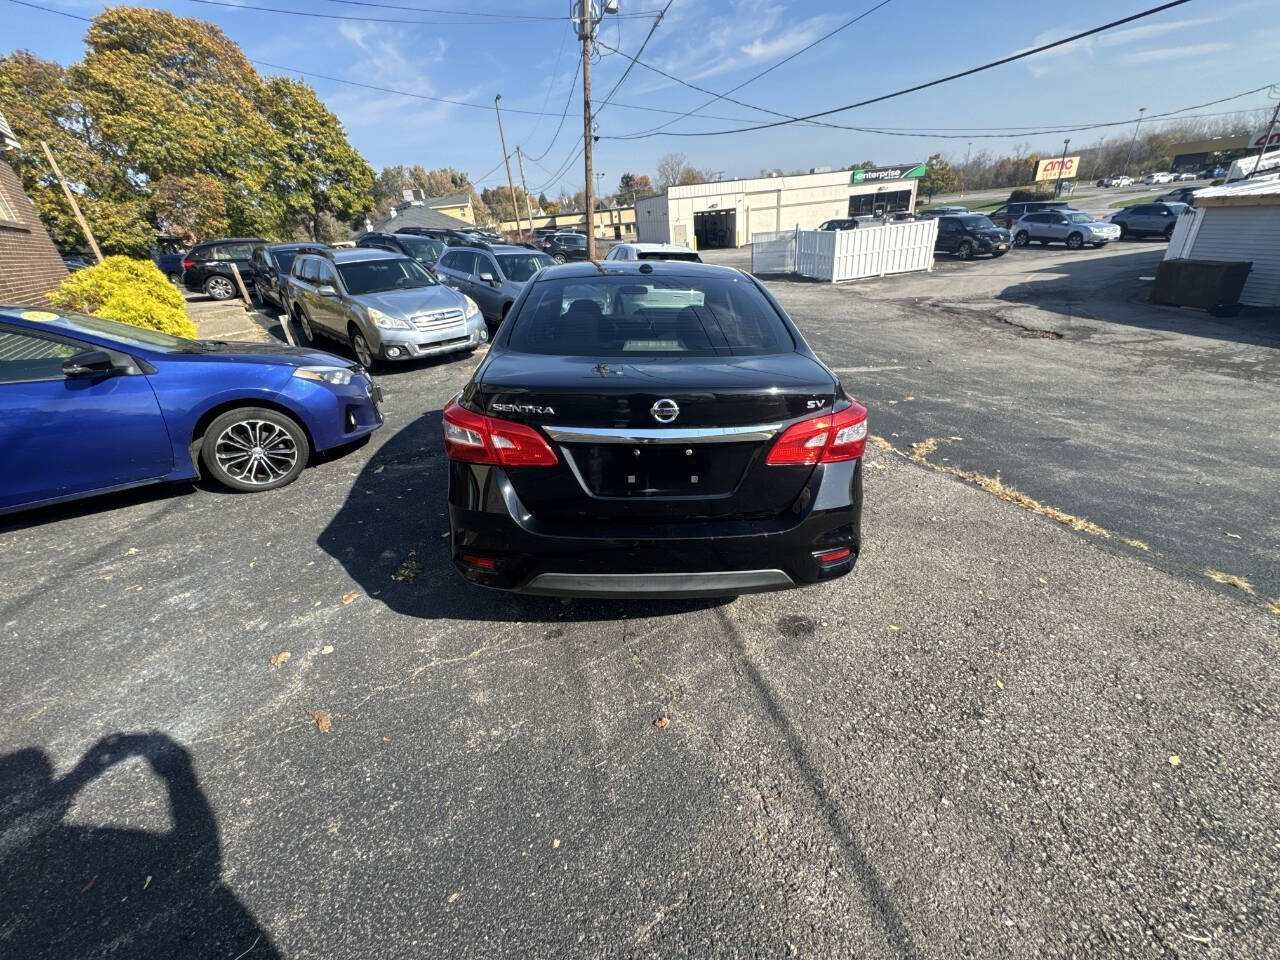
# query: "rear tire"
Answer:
x=175 y=278
x=965 y=250
x=253 y=448
x=558 y=258
x=219 y=288
x=1021 y=238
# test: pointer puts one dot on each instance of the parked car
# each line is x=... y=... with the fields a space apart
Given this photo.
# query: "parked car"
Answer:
x=969 y=234
x=492 y=275
x=207 y=266
x=1148 y=219
x=74 y=262
x=1183 y=195
x=562 y=247
x=1153 y=178
x=1186 y=176
x=384 y=306
x=541 y=233
x=1122 y=180
x=271 y=265
x=1075 y=228
x=1010 y=213
x=653 y=251
x=167 y=253
x=96 y=406
x=840 y=223
x=426 y=250
x=657 y=429
x=942 y=212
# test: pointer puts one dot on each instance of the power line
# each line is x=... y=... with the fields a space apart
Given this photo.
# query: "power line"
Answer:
x=460 y=13
x=920 y=86
x=573 y=86
x=61 y=13
x=632 y=60
x=555 y=72
x=784 y=60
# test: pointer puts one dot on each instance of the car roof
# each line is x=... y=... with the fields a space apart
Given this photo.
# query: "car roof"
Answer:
x=496 y=248
x=295 y=245
x=363 y=253
x=634 y=268
x=656 y=247
x=209 y=243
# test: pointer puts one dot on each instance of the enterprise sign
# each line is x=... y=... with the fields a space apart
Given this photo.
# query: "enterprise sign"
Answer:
x=907 y=171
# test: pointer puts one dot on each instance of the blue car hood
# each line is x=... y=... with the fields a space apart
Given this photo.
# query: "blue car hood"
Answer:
x=266 y=353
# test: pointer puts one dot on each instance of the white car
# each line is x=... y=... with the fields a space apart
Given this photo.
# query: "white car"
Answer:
x=1186 y=176
x=1120 y=181
x=1153 y=178
x=652 y=251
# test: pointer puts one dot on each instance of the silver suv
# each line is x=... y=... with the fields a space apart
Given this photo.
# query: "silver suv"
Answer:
x=384 y=305
x=492 y=275
x=1075 y=228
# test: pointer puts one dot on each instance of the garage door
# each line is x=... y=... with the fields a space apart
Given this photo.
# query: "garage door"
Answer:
x=1245 y=233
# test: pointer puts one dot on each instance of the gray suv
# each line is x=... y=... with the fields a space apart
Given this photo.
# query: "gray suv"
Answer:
x=1075 y=228
x=492 y=275
x=386 y=306
x=1148 y=219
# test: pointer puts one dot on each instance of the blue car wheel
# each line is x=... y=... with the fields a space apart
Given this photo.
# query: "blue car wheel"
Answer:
x=254 y=448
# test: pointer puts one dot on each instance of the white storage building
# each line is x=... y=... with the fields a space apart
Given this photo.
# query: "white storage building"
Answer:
x=726 y=213
x=1235 y=222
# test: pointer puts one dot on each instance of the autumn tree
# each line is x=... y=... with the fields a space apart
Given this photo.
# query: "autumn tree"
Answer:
x=632 y=186
x=194 y=208
x=939 y=177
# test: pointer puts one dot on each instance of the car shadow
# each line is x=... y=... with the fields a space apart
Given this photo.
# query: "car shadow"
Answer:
x=1111 y=288
x=391 y=535
x=72 y=890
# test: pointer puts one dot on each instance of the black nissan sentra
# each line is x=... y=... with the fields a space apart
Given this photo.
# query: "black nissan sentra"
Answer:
x=652 y=429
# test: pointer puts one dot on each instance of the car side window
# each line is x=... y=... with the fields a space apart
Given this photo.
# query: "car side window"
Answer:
x=1143 y=210
x=324 y=273
x=309 y=271
x=484 y=264
x=1002 y=212
x=464 y=261
x=26 y=356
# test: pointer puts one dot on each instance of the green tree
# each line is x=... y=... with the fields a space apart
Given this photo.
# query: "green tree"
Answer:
x=938 y=176
x=318 y=172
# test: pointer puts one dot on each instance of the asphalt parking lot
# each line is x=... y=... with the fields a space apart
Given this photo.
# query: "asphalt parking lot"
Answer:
x=1002 y=737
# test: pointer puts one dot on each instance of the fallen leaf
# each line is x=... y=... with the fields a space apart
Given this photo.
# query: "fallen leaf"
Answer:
x=662 y=723
x=955 y=438
x=281 y=657
x=132 y=551
x=999 y=684
x=326 y=649
x=134 y=588
x=409 y=570
x=555 y=843
x=1175 y=761
x=147 y=882
x=386 y=739
x=894 y=628
x=349 y=598
x=908 y=398
x=89 y=885
x=322 y=719
x=378 y=469
x=1043 y=580
x=453 y=897
x=1230 y=580
x=251 y=563
x=1273 y=606
x=1234 y=536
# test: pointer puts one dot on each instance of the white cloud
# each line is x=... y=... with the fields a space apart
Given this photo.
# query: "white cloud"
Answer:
x=1087 y=49
x=1176 y=53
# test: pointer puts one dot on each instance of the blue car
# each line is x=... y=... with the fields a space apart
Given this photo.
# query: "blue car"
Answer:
x=89 y=406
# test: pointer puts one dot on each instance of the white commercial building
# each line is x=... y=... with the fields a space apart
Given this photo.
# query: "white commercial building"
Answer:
x=1237 y=221
x=726 y=213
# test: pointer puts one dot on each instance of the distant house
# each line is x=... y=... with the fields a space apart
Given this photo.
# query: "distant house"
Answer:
x=453 y=212
x=30 y=265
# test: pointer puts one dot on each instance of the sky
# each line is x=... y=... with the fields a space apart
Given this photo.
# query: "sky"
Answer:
x=1198 y=52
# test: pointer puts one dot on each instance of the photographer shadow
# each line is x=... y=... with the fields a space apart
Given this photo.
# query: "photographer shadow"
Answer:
x=84 y=891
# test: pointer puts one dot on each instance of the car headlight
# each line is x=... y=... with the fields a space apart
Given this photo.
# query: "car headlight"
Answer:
x=338 y=376
x=472 y=307
x=388 y=322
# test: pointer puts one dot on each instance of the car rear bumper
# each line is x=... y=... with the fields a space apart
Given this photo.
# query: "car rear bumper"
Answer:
x=628 y=559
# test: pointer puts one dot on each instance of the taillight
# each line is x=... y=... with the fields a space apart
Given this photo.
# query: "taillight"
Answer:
x=188 y=264
x=475 y=438
x=826 y=439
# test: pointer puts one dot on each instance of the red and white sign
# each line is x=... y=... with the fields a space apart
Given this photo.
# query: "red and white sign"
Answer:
x=1049 y=169
x=1256 y=139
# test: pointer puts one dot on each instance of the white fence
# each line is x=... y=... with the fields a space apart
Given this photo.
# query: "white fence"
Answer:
x=871 y=251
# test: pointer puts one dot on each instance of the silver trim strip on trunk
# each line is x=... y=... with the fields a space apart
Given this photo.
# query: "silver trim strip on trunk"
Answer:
x=640 y=436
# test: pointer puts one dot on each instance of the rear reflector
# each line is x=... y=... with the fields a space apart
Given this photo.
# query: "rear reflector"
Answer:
x=471 y=559
x=188 y=264
x=829 y=438
x=475 y=438
x=834 y=556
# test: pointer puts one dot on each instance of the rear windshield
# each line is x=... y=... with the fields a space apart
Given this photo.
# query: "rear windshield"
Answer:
x=422 y=249
x=613 y=316
x=380 y=276
x=689 y=257
x=521 y=266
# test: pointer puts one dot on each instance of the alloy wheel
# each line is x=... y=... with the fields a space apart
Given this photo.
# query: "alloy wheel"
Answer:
x=305 y=323
x=255 y=452
x=965 y=250
x=1021 y=238
x=220 y=288
x=1075 y=241
x=361 y=347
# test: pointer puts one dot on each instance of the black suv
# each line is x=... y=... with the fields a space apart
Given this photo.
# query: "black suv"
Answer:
x=562 y=247
x=271 y=263
x=1011 y=213
x=652 y=428
x=207 y=266
x=969 y=234
x=843 y=223
x=424 y=248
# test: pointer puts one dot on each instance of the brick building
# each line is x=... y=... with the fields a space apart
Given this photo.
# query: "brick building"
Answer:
x=30 y=265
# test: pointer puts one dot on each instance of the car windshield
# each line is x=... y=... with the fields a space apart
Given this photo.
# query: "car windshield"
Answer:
x=977 y=222
x=689 y=257
x=379 y=276
x=1078 y=217
x=649 y=316
x=283 y=259
x=521 y=266
x=127 y=334
x=422 y=249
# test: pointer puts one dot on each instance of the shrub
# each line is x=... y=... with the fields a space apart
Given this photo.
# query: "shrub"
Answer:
x=127 y=291
x=1025 y=196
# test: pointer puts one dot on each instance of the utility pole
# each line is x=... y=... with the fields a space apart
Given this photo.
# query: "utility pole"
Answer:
x=1057 y=187
x=1266 y=141
x=75 y=207
x=585 y=30
x=1136 y=126
x=964 y=172
x=528 y=211
x=506 y=158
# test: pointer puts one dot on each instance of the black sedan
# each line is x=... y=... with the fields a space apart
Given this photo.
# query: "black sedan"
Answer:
x=652 y=429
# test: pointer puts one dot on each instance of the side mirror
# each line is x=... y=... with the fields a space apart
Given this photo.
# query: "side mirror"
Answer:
x=487 y=277
x=88 y=363
x=327 y=290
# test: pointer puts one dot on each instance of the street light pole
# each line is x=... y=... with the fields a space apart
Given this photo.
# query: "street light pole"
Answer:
x=506 y=158
x=1057 y=189
x=1136 y=126
x=964 y=171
